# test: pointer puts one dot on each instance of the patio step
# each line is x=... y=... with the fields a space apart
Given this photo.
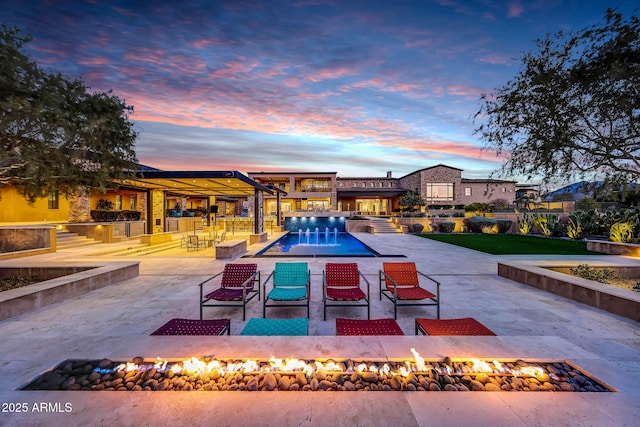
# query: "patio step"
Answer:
x=383 y=225
x=66 y=240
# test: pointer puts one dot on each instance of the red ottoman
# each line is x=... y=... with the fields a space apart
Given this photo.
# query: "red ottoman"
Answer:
x=367 y=327
x=195 y=327
x=464 y=326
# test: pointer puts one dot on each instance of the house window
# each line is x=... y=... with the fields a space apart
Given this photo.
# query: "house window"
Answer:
x=53 y=199
x=504 y=189
x=440 y=191
x=390 y=184
x=133 y=202
x=118 y=204
x=467 y=191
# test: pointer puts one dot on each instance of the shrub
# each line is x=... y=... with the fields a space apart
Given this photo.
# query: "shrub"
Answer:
x=447 y=226
x=524 y=225
x=500 y=204
x=111 y=216
x=574 y=229
x=104 y=205
x=548 y=225
x=621 y=232
x=504 y=225
x=417 y=228
x=480 y=224
x=130 y=215
x=602 y=275
x=477 y=207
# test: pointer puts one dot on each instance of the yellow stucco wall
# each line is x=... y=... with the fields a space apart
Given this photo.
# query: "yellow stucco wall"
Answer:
x=15 y=208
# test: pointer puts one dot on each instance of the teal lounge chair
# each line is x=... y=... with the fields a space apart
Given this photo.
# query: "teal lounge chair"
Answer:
x=291 y=286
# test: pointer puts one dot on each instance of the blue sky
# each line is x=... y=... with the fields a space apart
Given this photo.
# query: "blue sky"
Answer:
x=355 y=87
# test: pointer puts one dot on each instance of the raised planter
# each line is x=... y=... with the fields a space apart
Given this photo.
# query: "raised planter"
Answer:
x=21 y=241
x=622 y=302
x=614 y=248
x=156 y=239
x=231 y=249
x=257 y=238
x=83 y=278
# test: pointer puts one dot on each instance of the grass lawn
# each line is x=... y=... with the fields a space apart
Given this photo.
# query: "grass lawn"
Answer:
x=513 y=244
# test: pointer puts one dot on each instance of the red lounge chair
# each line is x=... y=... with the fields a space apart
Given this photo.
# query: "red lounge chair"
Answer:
x=464 y=326
x=194 y=327
x=367 y=327
x=240 y=284
x=402 y=286
x=341 y=285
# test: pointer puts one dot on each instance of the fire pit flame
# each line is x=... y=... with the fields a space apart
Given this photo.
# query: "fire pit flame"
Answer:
x=415 y=374
x=195 y=366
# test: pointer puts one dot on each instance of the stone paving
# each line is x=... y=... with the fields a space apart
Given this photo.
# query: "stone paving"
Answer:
x=116 y=321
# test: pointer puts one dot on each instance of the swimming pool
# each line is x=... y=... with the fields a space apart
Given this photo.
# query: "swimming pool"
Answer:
x=313 y=244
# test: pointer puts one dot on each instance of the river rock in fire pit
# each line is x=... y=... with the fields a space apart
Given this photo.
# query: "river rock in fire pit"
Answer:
x=370 y=377
x=270 y=381
x=104 y=374
x=476 y=385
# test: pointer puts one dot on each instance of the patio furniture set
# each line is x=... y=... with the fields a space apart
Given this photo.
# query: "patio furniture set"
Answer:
x=344 y=285
x=199 y=241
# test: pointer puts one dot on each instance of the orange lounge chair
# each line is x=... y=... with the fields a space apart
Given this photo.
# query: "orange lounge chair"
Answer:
x=400 y=283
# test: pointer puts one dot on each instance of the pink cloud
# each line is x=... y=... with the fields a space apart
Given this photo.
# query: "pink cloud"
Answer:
x=125 y=12
x=419 y=43
x=93 y=61
x=234 y=68
x=332 y=73
x=515 y=10
x=495 y=59
x=465 y=90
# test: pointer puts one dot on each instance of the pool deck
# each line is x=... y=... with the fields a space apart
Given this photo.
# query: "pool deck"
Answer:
x=115 y=322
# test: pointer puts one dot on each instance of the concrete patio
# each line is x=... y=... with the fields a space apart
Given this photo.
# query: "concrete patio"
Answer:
x=115 y=322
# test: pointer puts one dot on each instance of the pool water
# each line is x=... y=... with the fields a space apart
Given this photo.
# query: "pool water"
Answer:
x=320 y=244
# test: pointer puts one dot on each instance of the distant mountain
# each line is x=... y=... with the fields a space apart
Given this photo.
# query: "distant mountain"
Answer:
x=579 y=190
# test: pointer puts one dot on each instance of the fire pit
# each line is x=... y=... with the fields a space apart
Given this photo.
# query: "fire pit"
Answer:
x=418 y=374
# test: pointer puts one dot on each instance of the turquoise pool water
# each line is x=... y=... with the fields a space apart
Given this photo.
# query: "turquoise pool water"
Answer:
x=317 y=244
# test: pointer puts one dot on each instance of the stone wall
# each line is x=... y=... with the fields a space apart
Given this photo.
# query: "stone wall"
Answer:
x=157 y=214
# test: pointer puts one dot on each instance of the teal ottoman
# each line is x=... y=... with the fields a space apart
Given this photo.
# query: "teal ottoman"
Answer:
x=273 y=327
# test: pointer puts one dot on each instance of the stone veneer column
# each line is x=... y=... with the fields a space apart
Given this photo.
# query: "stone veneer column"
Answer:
x=212 y=217
x=142 y=206
x=80 y=207
x=157 y=211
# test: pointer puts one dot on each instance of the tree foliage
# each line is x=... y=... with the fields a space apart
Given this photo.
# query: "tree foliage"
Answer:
x=54 y=133
x=574 y=108
x=411 y=199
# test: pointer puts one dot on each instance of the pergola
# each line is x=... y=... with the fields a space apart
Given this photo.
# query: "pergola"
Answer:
x=199 y=184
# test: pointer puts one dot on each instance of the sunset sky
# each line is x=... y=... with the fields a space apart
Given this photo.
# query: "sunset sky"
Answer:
x=354 y=87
